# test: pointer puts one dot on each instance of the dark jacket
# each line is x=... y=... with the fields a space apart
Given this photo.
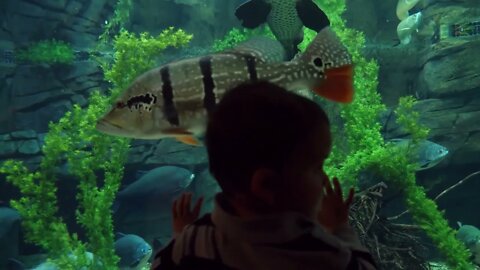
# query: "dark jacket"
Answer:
x=286 y=241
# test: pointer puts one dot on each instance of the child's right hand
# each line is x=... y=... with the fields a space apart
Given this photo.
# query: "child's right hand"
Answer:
x=182 y=214
x=334 y=211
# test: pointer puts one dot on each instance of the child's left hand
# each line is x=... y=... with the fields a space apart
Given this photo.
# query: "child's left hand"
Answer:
x=182 y=214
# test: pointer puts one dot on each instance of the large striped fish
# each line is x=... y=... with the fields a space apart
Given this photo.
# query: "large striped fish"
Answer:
x=173 y=100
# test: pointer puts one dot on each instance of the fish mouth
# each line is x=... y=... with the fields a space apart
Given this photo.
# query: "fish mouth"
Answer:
x=338 y=84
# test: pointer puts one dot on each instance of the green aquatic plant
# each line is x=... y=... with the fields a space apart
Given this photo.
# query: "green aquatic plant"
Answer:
x=236 y=35
x=74 y=140
x=121 y=15
x=47 y=52
x=424 y=210
x=87 y=153
x=364 y=147
x=135 y=55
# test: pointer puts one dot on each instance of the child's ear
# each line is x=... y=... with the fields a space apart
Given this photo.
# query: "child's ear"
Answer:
x=264 y=184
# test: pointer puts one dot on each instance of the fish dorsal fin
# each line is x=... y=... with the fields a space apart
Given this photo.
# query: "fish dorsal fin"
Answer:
x=263 y=49
x=119 y=235
x=253 y=13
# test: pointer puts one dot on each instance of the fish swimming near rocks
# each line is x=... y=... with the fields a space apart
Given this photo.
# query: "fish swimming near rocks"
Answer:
x=133 y=251
x=14 y=264
x=408 y=26
x=403 y=8
x=173 y=100
x=426 y=154
x=470 y=236
x=285 y=18
x=156 y=188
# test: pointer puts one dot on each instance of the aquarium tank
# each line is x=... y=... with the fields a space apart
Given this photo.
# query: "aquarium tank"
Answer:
x=78 y=192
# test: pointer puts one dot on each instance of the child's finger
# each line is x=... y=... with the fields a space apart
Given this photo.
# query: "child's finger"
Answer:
x=327 y=186
x=338 y=188
x=349 y=200
x=197 y=207
x=180 y=208
x=188 y=201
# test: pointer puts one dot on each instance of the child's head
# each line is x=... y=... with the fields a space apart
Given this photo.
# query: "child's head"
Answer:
x=266 y=149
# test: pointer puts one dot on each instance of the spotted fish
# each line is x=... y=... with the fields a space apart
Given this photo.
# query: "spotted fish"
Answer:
x=174 y=100
x=285 y=18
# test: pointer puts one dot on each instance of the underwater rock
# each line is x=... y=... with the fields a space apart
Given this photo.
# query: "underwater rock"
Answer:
x=469 y=152
x=452 y=71
x=205 y=19
x=28 y=147
x=9 y=234
x=79 y=22
x=24 y=134
x=170 y=151
x=7 y=148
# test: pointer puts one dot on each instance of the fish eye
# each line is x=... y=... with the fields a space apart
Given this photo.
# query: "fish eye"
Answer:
x=318 y=62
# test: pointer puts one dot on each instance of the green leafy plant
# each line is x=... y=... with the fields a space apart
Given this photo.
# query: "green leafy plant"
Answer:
x=235 y=36
x=364 y=147
x=47 y=52
x=137 y=54
x=117 y=22
x=74 y=140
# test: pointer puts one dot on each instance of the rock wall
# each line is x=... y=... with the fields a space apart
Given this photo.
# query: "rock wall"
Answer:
x=444 y=74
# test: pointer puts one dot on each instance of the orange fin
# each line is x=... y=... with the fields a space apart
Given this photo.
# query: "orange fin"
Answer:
x=190 y=140
x=338 y=85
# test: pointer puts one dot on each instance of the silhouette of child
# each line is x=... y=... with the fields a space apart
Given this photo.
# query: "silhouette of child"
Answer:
x=277 y=209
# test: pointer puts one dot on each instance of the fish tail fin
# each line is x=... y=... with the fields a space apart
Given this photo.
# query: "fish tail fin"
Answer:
x=332 y=65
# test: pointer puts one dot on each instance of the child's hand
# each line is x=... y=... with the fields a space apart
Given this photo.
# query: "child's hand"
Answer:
x=182 y=215
x=334 y=211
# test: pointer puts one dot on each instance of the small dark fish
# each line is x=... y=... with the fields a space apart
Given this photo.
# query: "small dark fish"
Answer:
x=285 y=18
x=133 y=251
x=426 y=155
x=470 y=236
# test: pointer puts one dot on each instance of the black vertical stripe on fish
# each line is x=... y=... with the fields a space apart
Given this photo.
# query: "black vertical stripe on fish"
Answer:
x=208 y=83
x=252 y=68
x=167 y=91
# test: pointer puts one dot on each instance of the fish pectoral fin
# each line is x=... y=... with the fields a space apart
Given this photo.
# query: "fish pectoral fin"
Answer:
x=253 y=13
x=311 y=15
x=184 y=136
x=338 y=85
x=190 y=140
